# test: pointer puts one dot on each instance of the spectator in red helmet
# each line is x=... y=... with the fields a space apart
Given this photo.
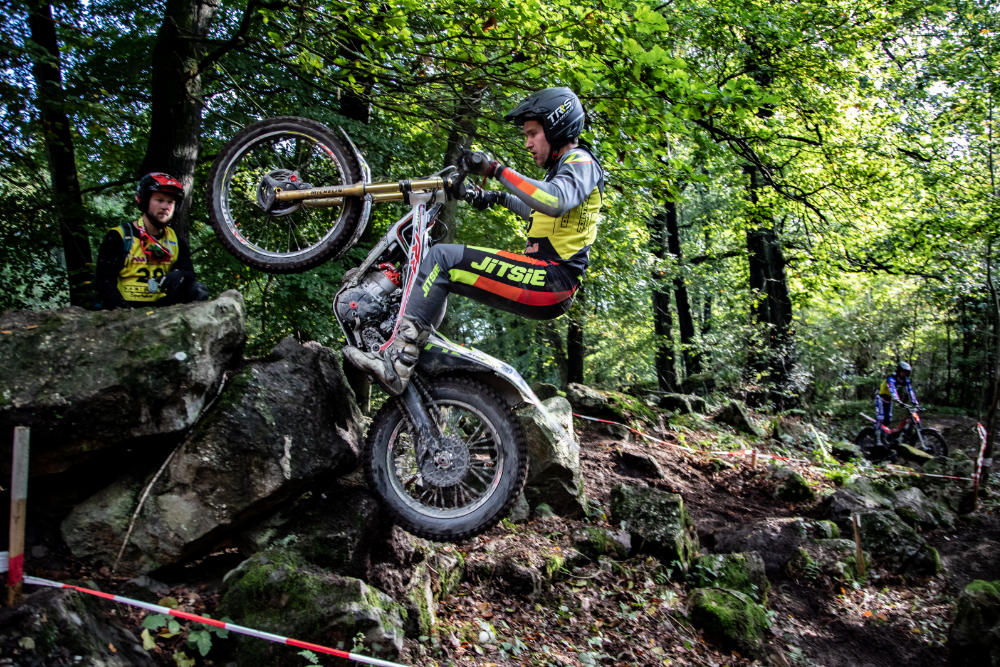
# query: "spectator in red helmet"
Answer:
x=144 y=263
x=561 y=211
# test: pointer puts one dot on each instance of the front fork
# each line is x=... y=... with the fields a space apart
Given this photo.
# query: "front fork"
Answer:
x=427 y=428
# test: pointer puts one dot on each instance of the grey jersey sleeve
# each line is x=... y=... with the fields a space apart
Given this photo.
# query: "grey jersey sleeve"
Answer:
x=575 y=177
x=512 y=203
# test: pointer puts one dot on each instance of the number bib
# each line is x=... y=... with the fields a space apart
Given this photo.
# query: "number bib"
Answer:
x=139 y=269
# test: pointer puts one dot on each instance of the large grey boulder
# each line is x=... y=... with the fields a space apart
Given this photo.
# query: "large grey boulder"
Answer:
x=657 y=521
x=828 y=564
x=92 y=382
x=277 y=591
x=858 y=495
x=684 y=404
x=281 y=425
x=335 y=527
x=554 y=475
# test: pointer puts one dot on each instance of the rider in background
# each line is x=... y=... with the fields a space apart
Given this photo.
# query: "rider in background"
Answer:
x=562 y=212
x=888 y=392
x=144 y=263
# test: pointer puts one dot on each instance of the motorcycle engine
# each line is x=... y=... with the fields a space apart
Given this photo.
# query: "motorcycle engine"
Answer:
x=370 y=308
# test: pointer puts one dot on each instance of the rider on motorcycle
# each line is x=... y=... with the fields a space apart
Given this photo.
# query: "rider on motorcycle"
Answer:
x=562 y=212
x=888 y=392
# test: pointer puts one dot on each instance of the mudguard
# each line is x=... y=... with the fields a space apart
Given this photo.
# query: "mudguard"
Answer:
x=441 y=356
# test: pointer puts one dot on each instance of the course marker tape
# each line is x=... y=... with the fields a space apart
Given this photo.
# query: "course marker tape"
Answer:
x=232 y=627
x=755 y=454
x=981 y=430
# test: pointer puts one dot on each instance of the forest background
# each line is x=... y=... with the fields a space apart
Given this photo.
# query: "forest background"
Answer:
x=799 y=194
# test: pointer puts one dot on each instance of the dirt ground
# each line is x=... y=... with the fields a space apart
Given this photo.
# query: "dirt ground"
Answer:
x=633 y=611
x=631 y=615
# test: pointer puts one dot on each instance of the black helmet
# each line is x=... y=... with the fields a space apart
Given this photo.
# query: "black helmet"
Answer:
x=557 y=109
x=157 y=181
x=904 y=367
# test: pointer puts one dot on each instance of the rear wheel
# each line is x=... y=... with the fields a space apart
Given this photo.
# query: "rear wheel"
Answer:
x=284 y=153
x=865 y=440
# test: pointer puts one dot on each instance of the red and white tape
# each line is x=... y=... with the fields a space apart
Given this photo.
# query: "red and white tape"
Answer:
x=981 y=430
x=232 y=627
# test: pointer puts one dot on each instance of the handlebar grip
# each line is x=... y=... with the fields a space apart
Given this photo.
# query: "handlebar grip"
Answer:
x=476 y=162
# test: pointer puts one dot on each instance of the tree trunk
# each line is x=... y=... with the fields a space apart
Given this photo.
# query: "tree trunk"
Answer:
x=175 y=93
x=66 y=196
x=991 y=415
x=462 y=129
x=575 y=350
x=555 y=342
x=685 y=322
x=772 y=307
x=666 y=366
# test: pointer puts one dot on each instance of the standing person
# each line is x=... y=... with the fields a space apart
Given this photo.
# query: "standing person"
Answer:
x=562 y=212
x=888 y=392
x=144 y=263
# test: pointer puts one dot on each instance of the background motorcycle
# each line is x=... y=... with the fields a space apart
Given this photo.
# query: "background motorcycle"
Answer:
x=448 y=456
x=908 y=432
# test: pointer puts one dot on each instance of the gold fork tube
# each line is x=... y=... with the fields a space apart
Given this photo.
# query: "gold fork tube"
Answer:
x=358 y=190
x=327 y=202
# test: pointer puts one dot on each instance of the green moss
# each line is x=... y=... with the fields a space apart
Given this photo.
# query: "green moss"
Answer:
x=991 y=588
x=450 y=573
x=730 y=618
x=630 y=406
x=736 y=571
x=422 y=601
x=596 y=542
x=553 y=564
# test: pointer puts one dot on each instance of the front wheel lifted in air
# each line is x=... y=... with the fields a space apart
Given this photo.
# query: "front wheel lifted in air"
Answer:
x=277 y=155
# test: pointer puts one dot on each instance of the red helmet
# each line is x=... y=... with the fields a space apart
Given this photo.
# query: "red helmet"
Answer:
x=157 y=181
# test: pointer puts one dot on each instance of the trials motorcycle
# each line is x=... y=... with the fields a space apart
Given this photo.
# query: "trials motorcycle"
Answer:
x=448 y=456
x=908 y=431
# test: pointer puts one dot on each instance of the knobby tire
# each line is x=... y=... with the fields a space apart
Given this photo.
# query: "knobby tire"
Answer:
x=295 y=238
x=473 y=413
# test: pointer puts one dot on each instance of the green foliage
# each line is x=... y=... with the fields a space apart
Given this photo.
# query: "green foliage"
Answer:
x=161 y=628
x=870 y=127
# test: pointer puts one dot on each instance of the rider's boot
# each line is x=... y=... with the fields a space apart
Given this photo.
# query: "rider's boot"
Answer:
x=393 y=366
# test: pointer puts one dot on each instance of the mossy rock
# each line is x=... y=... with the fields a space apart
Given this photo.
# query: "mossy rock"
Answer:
x=596 y=542
x=279 y=592
x=742 y=572
x=898 y=546
x=657 y=522
x=974 y=637
x=791 y=485
x=735 y=414
x=730 y=618
x=827 y=564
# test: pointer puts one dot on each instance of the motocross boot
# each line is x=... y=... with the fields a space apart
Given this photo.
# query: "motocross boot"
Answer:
x=393 y=366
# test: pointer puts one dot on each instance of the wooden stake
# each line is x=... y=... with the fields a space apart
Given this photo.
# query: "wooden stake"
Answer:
x=860 y=554
x=18 y=514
